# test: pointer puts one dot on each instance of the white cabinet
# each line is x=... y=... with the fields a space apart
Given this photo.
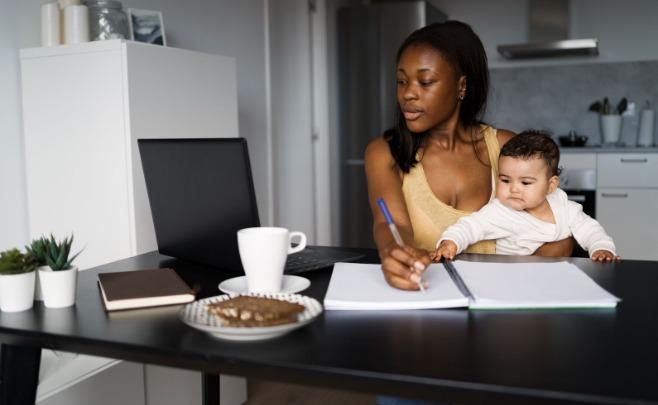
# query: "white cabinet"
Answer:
x=629 y=216
x=84 y=107
x=578 y=161
x=578 y=171
x=628 y=170
x=627 y=191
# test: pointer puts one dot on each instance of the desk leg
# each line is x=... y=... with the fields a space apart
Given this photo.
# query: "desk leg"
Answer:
x=210 y=387
x=19 y=374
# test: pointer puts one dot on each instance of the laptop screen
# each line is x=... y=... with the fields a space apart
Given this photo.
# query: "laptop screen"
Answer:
x=201 y=193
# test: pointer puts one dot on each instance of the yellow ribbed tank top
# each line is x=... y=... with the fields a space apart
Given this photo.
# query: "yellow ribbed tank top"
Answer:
x=430 y=216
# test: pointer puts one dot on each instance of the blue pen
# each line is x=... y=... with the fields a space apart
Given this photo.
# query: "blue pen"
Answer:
x=394 y=231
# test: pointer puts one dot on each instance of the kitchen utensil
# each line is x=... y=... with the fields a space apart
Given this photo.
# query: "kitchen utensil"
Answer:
x=622 y=106
x=572 y=139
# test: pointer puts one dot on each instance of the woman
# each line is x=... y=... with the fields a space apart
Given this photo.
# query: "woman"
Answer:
x=440 y=162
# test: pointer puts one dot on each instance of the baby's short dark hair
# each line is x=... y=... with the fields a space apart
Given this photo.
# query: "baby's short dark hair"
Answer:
x=534 y=144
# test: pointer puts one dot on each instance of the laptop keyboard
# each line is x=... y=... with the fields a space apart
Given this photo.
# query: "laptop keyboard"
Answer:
x=312 y=258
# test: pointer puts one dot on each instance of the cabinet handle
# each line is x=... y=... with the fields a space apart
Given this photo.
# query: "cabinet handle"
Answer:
x=627 y=160
x=615 y=195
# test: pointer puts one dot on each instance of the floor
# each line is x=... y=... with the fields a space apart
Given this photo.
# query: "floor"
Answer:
x=261 y=392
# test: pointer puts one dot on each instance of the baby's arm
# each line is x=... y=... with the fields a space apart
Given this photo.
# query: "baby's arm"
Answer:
x=487 y=223
x=604 y=256
x=589 y=233
x=447 y=249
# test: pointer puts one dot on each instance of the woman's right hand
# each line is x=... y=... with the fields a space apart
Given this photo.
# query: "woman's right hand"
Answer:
x=403 y=266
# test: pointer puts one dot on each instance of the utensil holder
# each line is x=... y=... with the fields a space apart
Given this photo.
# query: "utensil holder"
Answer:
x=610 y=128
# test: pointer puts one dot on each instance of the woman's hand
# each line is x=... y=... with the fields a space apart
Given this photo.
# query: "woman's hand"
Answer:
x=403 y=266
x=560 y=248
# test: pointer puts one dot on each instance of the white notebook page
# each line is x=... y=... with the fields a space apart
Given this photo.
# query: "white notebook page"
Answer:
x=531 y=285
x=362 y=286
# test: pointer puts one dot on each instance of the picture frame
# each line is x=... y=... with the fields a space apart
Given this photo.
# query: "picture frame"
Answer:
x=146 y=26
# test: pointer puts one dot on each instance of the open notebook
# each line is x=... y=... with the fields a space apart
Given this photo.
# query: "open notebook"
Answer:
x=475 y=285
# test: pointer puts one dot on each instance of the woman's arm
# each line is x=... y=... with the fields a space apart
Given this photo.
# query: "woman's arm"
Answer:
x=560 y=248
x=401 y=266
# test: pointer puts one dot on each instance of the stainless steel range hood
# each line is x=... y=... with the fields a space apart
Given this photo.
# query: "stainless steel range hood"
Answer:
x=567 y=47
x=548 y=31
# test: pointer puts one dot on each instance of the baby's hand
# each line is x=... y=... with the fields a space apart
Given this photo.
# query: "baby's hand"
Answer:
x=447 y=249
x=604 y=256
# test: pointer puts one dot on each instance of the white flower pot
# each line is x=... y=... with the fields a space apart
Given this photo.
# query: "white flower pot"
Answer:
x=610 y=128
x=17 y=291
x=38 y=295
x=58 y=287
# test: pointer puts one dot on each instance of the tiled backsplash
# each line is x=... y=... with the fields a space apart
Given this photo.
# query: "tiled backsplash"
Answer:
x=557 y=98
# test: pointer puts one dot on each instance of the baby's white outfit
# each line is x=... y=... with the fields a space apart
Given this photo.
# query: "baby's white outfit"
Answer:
x=519 y=233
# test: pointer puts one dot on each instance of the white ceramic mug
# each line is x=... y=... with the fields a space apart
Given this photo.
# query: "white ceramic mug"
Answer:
x=263 y=252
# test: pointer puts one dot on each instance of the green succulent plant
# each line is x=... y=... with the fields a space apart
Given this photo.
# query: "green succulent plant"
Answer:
x=57 y=253
x=37 y=249
x=12 y=261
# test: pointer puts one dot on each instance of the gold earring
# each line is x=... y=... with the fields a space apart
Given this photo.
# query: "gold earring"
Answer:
x=461 y=97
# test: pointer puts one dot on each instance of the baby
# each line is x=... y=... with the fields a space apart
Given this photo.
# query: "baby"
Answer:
x=529 y=209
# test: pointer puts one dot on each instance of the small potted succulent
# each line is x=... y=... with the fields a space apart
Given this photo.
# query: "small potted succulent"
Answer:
x=16 y=281
x=609 y=118
x=37 y=249
x=59 y=280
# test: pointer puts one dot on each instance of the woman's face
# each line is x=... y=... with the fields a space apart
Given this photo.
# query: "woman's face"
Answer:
x=428 y=88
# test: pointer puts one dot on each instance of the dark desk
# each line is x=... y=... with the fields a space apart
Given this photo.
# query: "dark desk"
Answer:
x=590 y=356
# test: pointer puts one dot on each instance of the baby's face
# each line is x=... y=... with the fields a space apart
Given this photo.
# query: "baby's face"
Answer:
x=523 y=183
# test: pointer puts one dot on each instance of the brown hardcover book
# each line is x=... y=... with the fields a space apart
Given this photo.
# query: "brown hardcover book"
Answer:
x=143 y=288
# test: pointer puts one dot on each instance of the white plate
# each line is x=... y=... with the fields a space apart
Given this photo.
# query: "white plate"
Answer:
x=197 y=316
x=290 y=285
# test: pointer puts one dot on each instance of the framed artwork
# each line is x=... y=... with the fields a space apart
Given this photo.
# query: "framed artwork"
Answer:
x=146 y=26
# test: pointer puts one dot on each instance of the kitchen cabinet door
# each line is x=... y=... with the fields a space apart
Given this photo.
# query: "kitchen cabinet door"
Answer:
x=628 y=170
x=628 y=215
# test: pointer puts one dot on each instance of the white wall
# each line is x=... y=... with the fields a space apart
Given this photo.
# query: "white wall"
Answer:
x=292 y=114
x=225 y=27
x=626 y=31
x=300 y=118
x=237 y=29
x=13 y=217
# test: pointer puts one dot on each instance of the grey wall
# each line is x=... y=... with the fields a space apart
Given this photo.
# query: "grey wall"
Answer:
x=626 y=30
x=226 y=27
x=555 y=93
x=557 y=97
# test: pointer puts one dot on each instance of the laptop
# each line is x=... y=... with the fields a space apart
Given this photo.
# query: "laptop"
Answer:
x=201 y=192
